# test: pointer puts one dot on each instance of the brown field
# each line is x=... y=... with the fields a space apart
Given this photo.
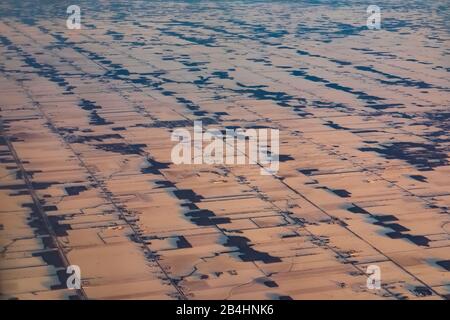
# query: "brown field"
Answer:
x=85 y=152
